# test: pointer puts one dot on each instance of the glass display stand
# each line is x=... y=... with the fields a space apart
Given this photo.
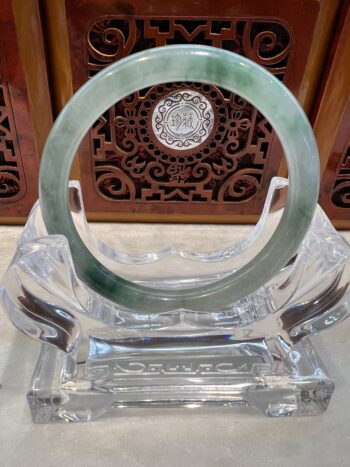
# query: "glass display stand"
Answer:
x=176 y=321
x=256 y=352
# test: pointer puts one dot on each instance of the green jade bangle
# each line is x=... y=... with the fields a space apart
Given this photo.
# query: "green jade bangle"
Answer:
x=183 y=63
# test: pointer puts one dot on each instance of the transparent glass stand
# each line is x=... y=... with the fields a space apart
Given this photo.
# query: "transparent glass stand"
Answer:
x=97 y=357
x=179 y=371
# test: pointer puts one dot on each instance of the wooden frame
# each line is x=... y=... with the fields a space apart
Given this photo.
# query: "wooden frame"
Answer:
x=26 y=106
x=67 y=19
x=332 y=127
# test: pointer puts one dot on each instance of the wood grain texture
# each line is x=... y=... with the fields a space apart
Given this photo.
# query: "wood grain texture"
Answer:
x=308 y=22
x=332 y=128
x=25 y=107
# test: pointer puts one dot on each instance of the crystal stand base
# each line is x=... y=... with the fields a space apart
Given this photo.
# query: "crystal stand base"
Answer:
x=214 y=370
x=254 y=353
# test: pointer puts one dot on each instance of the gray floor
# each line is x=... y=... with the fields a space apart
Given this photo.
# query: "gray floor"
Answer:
x=172 y=437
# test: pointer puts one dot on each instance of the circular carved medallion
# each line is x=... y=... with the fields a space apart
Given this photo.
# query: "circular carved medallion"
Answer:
x=183 y=119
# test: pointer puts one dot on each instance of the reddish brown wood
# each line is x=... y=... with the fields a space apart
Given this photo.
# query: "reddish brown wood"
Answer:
x=335 y=188
x=19 y=141
x=332 y=127
x=123 y=167
x=13 y=184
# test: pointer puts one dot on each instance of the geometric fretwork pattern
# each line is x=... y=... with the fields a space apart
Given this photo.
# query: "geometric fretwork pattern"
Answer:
x=341 y=187
x=130 y=165
x=12 y=182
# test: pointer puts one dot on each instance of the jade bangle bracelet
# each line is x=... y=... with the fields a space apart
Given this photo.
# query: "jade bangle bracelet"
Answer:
x=183 y=63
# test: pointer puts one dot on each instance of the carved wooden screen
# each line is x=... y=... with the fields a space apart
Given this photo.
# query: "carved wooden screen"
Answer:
x=335 y=189
x=212 y=165
x=228 y=162
x=13 y=185
x=22 y=78
x=332 y=128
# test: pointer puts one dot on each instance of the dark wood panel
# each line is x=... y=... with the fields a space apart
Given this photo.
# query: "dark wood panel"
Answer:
x=24 y=98
x=240 y=155
x=332 y=127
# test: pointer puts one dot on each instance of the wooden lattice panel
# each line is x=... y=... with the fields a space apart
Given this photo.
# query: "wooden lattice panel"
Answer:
x=126 y=169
